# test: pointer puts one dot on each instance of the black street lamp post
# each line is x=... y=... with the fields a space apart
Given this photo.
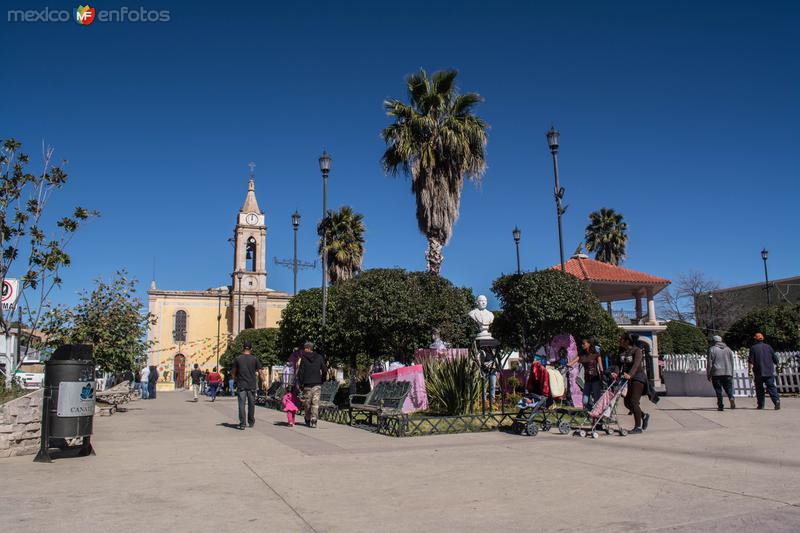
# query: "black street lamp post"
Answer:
x=764 y=256
x=325 y=167
x=295 y=225
x=239 y=276
x=517 y=234
x=552 y=141
x=219 y=320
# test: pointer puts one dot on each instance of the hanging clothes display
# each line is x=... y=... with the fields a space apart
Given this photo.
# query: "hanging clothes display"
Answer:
x=538 y=380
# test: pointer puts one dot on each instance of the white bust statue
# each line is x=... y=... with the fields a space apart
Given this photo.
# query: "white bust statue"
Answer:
x=483 y=317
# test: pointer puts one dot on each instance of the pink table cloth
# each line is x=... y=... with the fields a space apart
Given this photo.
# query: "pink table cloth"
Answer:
x=417 y=399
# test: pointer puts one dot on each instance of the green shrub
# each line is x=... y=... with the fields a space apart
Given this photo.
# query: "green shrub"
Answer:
x=379 y=313
x=536 y=306
x=682 y=337
x=453 y=385
x=265 y=346
x=780 y=325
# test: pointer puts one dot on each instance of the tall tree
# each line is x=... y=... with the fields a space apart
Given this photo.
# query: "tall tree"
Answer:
x=607 y=236
x=437 y=141
x=688 y=300
x=33 y=239
x=110 y=317
x=345 y=243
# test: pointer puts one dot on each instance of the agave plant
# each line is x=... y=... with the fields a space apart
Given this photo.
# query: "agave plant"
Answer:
x=453 y=385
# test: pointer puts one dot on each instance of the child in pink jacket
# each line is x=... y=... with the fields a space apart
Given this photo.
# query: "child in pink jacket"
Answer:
x=290 y=407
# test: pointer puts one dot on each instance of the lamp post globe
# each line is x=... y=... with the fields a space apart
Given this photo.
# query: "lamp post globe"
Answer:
x=325 y=162
x=295 y=219
x=552 y=139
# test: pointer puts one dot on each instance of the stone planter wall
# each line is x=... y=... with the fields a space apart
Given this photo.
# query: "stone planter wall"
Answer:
x=20 y=425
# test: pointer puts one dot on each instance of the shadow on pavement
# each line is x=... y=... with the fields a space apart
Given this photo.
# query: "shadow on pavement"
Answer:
x=230 y=425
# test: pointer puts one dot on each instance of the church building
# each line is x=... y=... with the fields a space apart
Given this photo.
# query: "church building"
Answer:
x=196 y=326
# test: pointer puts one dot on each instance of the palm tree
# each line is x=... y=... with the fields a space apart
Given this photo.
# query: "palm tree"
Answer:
x=607 y=236
x=438 y=142
x=345 y=237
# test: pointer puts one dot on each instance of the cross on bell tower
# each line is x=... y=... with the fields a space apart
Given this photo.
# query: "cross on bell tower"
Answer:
x=249 y=295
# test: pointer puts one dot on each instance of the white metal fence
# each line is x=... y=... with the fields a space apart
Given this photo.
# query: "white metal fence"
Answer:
x=787 y=379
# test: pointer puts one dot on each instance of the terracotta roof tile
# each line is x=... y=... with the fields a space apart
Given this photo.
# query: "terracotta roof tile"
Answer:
x=587 y=269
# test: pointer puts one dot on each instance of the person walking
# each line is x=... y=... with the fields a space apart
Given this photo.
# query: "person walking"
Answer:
x=592 y=370
x=152 y=379
x=144 y=379
x=246 y=369
x=289 y=404
x=632 y=364
x=214 y=383
x=762 y=361
x=231 y=384
x=719 y=370
x=310 y=375
x=197 y=380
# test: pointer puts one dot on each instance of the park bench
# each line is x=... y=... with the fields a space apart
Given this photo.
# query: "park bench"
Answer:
x=327 y=394
x=113 y=398
x=387 y=398
x=265 y=396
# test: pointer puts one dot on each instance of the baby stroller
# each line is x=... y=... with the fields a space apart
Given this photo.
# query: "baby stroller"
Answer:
x=604 y=412
x=531 y=415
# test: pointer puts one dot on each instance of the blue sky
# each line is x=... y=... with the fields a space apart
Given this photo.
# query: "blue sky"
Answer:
x=681 y=115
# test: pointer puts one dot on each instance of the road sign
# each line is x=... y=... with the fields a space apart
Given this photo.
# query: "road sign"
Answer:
x=10 y=295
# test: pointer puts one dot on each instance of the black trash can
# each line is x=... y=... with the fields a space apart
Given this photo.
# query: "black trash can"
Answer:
x=69 y=398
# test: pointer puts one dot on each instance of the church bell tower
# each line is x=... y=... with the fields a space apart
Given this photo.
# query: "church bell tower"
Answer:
x=249 y=278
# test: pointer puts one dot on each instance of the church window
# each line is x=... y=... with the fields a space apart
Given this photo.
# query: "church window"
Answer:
x=179 y=333
x=249 y=317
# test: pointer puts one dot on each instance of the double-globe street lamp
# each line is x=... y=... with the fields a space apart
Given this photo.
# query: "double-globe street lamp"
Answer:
x=552 y=141
x=517 y=234
x=764 y=256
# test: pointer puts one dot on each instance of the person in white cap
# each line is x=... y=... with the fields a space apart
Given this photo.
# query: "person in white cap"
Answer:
x=719 y=370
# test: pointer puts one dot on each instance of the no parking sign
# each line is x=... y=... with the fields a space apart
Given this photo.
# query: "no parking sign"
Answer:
x=10 y=295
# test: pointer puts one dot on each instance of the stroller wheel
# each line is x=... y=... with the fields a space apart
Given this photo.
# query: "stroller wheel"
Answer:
x=563 y=428
x=581 y=433
x=609 y=431
x=594 y=435
x=532 y=429
x=623 y=432
x=547 y=425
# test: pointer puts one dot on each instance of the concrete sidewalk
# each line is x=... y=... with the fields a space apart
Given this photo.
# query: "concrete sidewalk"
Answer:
x=174 y=465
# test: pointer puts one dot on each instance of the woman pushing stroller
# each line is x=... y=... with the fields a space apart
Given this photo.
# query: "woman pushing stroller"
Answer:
x=632 y=366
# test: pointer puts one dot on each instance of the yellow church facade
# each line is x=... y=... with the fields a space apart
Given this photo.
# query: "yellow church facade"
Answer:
x=197 y=326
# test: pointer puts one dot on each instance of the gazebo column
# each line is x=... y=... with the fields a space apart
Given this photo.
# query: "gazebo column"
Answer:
x=638 y=307
x=651 y=309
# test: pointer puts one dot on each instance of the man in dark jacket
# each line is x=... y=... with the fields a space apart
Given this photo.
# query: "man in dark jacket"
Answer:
x=310 y=376
x=762 y=361
x=247 y=372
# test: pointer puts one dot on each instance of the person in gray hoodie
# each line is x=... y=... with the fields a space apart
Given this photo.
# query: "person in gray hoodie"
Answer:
x=719 y=370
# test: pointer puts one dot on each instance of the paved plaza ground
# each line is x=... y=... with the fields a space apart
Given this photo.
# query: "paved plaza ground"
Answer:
x=173 y=465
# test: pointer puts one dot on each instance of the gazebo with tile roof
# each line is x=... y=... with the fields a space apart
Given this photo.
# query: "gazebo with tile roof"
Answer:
x=612 y=283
